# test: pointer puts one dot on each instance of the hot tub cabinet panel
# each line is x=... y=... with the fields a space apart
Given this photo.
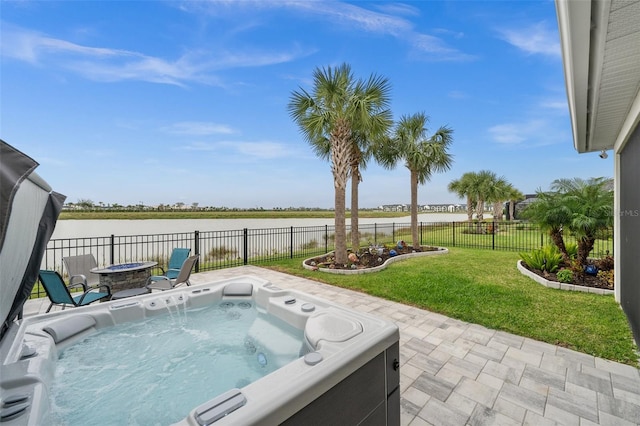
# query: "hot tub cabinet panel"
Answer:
x=361 y=398
x=347 y=374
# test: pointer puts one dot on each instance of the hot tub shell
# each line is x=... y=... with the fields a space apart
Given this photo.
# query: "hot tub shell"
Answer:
x=348 y=375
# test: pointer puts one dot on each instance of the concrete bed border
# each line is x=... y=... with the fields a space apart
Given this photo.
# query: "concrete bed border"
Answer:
x=560 y=286
x=440 y=250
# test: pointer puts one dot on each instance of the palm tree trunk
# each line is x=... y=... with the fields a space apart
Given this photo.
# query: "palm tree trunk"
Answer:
x=480 y=215
x=497 y=211
x=355 y=231
x=340 y=167
x=414 y=210
x=585 y=245
x=497 y=214
x=340 y=226
x=469 y=210
x=558 y=240
x=512 y=209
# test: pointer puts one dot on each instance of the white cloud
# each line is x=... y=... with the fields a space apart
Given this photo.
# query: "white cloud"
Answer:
x=555 y=104
x=457 y=94
x=516 y=133
x=535 y=39
x=105 y=64
x=263 y=150
x=389 y=21
x=241 y=151
x=198 y=128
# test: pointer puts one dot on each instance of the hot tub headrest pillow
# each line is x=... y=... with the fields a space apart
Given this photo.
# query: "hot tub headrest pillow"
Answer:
x=68 y=327
x=238 y=289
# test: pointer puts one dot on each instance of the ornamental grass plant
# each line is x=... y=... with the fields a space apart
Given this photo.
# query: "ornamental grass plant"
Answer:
x=484 y=287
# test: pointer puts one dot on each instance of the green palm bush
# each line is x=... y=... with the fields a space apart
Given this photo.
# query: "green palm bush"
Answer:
x=547 y=258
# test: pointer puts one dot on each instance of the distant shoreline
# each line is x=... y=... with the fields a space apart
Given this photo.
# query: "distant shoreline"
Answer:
x=226 y=214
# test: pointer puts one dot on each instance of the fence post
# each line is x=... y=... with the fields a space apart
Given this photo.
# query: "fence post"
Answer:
x=493 y=236
x=453 y=227
x=112 y=250
x=393 y=231
x=246 y=249
x=420 y=242
x=375 y=233
x=326 y=238
x=196 y=244
x=291 y=248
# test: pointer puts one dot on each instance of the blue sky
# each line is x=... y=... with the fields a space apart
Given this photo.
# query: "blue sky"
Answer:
x=165 y=102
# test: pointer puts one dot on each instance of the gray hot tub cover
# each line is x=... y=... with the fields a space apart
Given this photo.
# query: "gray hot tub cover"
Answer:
x=28 y=213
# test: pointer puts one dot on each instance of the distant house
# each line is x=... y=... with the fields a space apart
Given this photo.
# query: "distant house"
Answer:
x=395 y=208
x=520 y=205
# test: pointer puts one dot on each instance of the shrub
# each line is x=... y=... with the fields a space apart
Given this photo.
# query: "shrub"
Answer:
x=572 y=250
x=607 y=277
x=547 y=258
x=565 y=276
x=605 y=264
x=578 y=270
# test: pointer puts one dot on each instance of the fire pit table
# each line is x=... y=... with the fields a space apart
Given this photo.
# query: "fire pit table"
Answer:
x=125 y=276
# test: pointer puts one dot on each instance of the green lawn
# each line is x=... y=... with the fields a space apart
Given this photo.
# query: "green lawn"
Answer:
x=484 y=287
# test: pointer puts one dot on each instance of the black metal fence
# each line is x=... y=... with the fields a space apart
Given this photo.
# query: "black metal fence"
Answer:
x=224 y=249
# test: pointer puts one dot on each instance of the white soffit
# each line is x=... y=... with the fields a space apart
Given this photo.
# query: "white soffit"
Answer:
x=603 y=92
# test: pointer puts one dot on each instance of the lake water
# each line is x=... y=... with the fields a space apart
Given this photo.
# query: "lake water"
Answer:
x=219 y=238
x=103 y=228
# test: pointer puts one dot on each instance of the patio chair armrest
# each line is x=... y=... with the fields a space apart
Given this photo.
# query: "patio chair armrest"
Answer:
x=98 y=287
x=154 y=279
x=78 y=280
x=94 y=289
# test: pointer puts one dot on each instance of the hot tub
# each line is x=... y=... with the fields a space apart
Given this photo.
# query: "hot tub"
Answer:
x=346 y=371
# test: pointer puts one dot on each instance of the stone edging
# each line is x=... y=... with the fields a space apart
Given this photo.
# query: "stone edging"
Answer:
x=441 y=250
x=561 y=286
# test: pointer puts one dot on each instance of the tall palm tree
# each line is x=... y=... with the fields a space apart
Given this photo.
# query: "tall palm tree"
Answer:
x=464 y=187
x=422 y=156
x=485 y=189
x=339 y=108
x=375 y=123
x=498 y=193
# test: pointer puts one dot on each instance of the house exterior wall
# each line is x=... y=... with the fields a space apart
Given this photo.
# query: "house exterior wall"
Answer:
x=628 y=211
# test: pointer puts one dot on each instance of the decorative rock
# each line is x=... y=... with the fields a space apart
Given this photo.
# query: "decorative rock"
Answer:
x=392 y=252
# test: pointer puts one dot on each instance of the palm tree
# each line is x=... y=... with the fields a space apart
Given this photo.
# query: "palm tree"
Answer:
x=485 y=184
x=591 y=205
x=422 y=156
x=376 y=120
x=338 y=109
x=584 y=207
x=464 y=187
x=497 y=194
x=513 y=197
x=550 y=213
